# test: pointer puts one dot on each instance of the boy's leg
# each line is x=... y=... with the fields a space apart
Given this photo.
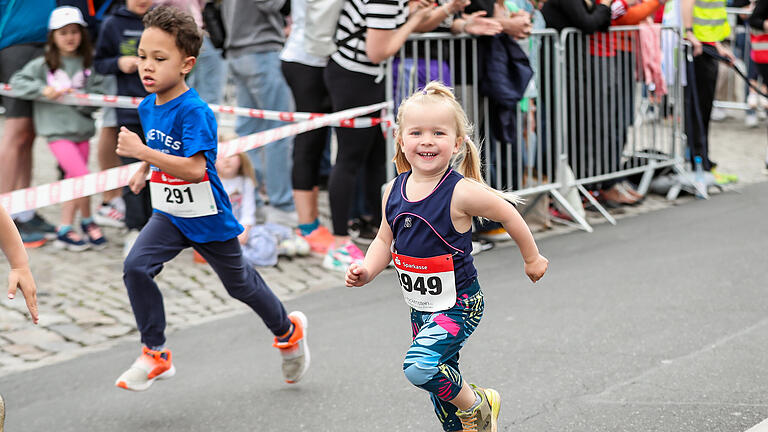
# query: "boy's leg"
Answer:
x=244 y=283
x=157 y=244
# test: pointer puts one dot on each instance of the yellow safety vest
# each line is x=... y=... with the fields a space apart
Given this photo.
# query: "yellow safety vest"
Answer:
x=710 y=21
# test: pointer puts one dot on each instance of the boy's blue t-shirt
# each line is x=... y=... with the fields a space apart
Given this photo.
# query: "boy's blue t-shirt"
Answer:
x=184 y=127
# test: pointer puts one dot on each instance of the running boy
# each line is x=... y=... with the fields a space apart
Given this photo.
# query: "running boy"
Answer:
x=191 y=208
x=427 y=231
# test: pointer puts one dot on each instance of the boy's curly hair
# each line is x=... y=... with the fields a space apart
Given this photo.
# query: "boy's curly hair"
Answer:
x=180 y=24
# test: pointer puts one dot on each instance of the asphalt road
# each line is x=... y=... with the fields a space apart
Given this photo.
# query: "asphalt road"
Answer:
x=657 y=324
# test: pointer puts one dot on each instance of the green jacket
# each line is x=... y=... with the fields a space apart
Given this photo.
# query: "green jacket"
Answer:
x=52 y=120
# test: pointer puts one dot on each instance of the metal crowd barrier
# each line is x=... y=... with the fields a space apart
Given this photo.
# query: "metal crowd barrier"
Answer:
x=589 y=113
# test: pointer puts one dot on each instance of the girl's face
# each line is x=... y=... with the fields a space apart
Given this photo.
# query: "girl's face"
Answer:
x=67 y=39
x=228 y=167
x=428 y=137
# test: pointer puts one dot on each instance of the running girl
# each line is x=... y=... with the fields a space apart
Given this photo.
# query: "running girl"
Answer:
x=426 y=231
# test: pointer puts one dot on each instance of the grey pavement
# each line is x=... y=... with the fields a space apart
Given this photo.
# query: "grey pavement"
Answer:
x=84 y=307
x=657 y=324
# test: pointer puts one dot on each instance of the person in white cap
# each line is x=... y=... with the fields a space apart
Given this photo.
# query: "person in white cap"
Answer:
x=65 y=68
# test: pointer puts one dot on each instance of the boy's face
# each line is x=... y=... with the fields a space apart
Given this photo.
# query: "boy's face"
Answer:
x=139 y=7
x=162 y=65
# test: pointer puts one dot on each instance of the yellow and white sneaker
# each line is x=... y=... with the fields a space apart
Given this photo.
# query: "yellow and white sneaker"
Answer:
x=485 y=416
x=150 y=366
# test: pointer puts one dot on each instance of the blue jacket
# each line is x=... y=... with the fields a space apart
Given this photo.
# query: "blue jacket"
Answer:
x=24 y=21
x=504 y=75
x=120 y=34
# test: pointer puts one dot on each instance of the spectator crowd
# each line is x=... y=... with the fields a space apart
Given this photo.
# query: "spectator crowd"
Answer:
x=327 y=56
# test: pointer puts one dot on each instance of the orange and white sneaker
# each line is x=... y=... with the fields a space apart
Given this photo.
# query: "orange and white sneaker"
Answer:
x=150 y=365
x=320 y=240
x=295 y=351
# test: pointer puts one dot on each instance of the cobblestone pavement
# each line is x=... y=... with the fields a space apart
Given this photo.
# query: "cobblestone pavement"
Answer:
x=84 y=306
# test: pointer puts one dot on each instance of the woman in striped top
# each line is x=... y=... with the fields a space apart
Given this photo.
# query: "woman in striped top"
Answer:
x=371 y=31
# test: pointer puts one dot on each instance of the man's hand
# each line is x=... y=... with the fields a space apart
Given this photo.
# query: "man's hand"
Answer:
x=22 y=279
x=129 y=144
x=128 y=64
x=725 y=52
x=695 y=42
x=477 y=24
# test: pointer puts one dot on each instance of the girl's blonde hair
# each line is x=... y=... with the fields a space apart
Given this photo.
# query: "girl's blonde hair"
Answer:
x=246 y=168
x=467 y=160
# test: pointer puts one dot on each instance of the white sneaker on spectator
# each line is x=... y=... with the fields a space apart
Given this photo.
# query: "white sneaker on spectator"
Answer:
x=752 y=101
x=750 y=120
x=129 y=240
x=111 y=214
x=718 y=114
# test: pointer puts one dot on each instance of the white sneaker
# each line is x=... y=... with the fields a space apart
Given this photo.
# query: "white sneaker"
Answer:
x=295 y=351
x=750 y=120
x=718 y=114
x=150 y=366
x=339 y=259
x=752 y=100
x=129 y=240
x=111 y=213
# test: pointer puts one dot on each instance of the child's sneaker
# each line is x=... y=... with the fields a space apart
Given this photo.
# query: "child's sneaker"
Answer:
x=339 y=259
x=39 y=224
x=109 y=214
x=68 y=239
x=94 y=235
x=150 y=365
x=485 y=416
x=31 y=238
x=295 y=351
x=320 y=240
x=301 y=245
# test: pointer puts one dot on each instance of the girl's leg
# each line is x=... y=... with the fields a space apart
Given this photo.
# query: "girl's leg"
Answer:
x=432 y=362
x=68 y=212
x=70 y=158
x=244 y=283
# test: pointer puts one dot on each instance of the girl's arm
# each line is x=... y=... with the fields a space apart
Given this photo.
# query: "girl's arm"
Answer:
x=29 y=82
x=20 y=275
x=379 y=253
x=472 y=199
x=637 y=13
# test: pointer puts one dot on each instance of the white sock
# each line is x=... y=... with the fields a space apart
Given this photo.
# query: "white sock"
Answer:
x=478 y=400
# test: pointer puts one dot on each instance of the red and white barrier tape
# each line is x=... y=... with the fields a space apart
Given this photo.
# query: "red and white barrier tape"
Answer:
x=89 y=184
x=89 y=99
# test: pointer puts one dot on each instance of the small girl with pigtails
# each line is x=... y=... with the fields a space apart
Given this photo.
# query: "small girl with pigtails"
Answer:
x=427 y=232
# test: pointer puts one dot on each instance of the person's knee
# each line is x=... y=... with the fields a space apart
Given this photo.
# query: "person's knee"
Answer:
x=418 y=372
x=134 y=268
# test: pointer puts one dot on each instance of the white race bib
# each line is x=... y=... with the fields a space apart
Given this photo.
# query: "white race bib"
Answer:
x=428 y=284
x=181 y=198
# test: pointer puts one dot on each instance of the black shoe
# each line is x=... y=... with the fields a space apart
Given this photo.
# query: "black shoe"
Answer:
x=30 y=236
x=362 y=230
x=37 y=223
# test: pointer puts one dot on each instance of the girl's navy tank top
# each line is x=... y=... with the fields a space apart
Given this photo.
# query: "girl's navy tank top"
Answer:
x=424 y=228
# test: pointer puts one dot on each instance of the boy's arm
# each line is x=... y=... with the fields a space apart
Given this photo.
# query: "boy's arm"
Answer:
x=473 y=199
x=191 y=169
x=20 y=275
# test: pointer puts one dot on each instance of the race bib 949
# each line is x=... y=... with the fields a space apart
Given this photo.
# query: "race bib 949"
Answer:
x=181 y=198
x=428 y=284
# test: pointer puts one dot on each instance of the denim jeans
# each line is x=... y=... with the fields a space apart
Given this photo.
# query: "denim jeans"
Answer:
x=208 y=76
x=260 y=84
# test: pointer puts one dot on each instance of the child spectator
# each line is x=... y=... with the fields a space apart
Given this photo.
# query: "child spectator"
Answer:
x=426 y=231
x=191 y=206
x=261 y=244
x=66 y=67
x=116 y=54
